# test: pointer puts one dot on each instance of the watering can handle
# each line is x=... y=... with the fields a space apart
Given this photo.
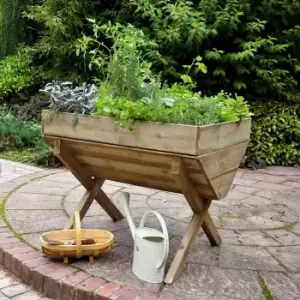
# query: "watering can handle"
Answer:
x=165 y=232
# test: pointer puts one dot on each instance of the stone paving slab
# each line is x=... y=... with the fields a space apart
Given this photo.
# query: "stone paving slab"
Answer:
x=258 y=221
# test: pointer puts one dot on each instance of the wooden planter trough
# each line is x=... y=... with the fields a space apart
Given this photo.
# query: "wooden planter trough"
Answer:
x=198 y=161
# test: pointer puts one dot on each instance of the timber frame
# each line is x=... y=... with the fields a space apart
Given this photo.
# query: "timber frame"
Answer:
x=201 y=177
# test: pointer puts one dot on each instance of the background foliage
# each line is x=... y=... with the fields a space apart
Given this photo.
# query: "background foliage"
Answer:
x=23 y=141
x=11 y=26
x=276 y=133
x=249 y=47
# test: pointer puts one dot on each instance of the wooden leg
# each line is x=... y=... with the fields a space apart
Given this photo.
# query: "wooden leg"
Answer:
x=91 y=260
x=182 y=252
x=211 y=231
x=200 y=219
x=108 y=206
x=66 y=260
x=84 y=204
x=93 y=191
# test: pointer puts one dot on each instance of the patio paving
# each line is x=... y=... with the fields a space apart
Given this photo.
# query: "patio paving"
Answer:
x=259 y=222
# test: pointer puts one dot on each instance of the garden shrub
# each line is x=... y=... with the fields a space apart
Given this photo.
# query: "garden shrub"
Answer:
x=249 y=47
x=59 y=24
x=21 y=140
x=276 y=133
x=16 y=74
x=11 y=26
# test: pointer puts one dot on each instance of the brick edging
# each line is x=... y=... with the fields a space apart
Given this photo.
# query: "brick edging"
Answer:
x=52 y=277
x=59 y=281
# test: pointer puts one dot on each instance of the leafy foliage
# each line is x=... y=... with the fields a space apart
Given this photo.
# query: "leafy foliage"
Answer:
x=17 y=135
x=11 y=26
x=66 y=98
x=132 y=92
x=276 y=133
x=16 y=74
x=59 y=23
x=248 y=47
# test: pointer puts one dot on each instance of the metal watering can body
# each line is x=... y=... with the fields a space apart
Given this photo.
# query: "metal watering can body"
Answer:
x=151 y=246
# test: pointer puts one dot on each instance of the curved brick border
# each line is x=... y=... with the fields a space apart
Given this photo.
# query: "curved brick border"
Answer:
x=47 y=276
x=56 y=280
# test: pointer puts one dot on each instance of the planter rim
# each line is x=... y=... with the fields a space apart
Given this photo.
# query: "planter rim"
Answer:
x=152 y=122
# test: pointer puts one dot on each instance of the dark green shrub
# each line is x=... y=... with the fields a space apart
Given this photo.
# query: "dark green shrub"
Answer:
x=276 y=133
x=59 y=24
x=22 y=141
x=249 y=47
x=11 y=26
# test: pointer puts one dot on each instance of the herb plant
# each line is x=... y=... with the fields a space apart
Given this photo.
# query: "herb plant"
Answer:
x=66 y=98
x=132 y=92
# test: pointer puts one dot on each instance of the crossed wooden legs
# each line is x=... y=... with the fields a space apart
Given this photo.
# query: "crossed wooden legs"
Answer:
x=93 y=187
x=201 y=218
x=200 y=206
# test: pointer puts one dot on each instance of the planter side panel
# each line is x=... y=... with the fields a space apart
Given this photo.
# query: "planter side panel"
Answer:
x=134 y=166
x=162 y=137
x=221 y=166
x=215 y=137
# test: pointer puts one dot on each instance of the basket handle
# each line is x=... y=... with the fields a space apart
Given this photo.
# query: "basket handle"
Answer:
x=77 y=226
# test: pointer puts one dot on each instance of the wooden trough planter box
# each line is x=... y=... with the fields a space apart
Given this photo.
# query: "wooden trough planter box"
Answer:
x=197 y=161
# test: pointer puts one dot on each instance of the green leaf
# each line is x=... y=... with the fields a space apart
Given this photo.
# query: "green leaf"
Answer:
x=219 y=71
x=239 y=85
x=91 y=20
x=186 y=78
x=202 y=67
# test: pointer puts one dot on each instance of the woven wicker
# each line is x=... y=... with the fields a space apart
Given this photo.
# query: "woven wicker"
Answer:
x=70 y=243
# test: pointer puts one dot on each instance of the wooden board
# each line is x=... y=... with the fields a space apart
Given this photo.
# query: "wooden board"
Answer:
x=212 y=174
x=172 y=138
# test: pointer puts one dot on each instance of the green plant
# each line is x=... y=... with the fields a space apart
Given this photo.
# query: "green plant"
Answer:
x=57 y=26
x=16 y=74
x=131 y=92
x=248 y=47
x=19 y=137
x=66 y=98
x=276 y=133
x=11 y=26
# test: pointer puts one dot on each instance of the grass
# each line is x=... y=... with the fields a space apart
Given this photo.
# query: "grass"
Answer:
x=265 y=289
x=22 y=156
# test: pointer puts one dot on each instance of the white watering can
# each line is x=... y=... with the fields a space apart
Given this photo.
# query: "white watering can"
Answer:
x=151 y=246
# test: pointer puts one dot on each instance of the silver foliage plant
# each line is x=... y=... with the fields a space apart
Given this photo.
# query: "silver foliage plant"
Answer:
x=64 y=97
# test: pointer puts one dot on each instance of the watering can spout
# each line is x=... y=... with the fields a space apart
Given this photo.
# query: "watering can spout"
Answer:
x=124 y=200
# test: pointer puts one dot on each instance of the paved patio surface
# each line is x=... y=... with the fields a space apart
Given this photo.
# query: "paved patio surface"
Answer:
x=259 y=223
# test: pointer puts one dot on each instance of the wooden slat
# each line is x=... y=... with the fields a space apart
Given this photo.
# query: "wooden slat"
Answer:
x=119 y=165
x=222 y=183
x=218 y=136
x=172 y=138
x=145 y=181
x=136 y=155
x=164 y=137
x=223 y=161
